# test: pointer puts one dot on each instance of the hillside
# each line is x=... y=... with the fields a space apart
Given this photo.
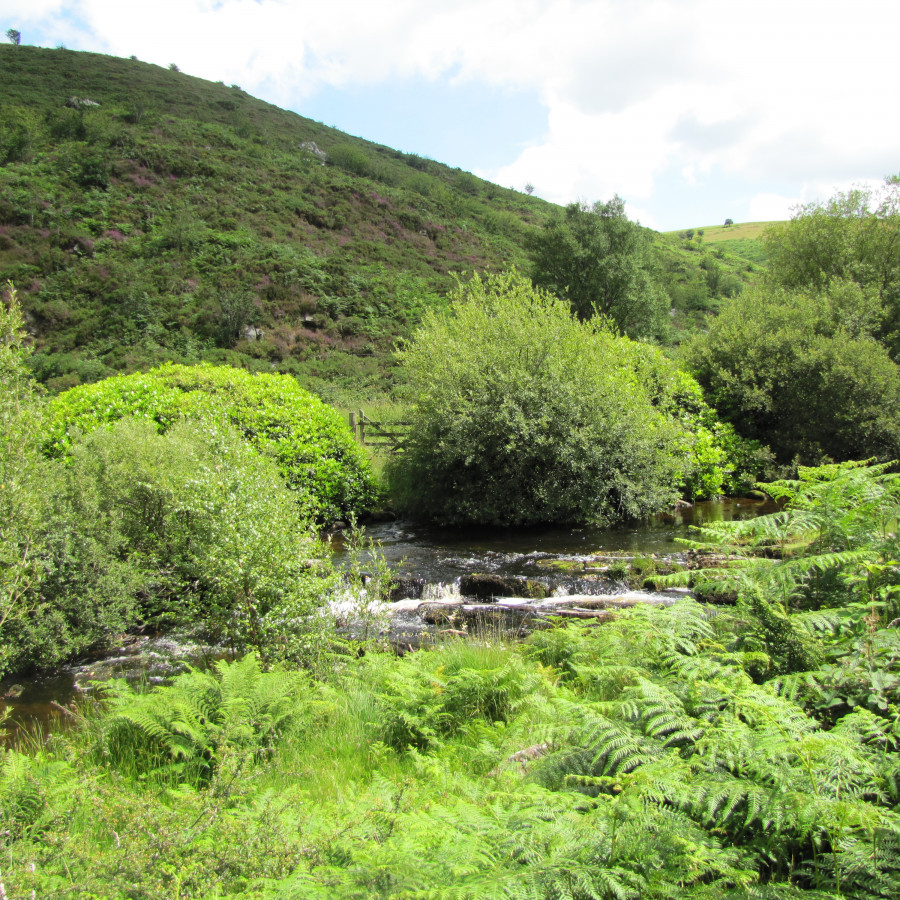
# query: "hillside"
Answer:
x=159 y=216
x=743 y=239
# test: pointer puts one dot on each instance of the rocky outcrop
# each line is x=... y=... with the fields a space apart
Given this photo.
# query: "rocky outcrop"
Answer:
x=81 y=103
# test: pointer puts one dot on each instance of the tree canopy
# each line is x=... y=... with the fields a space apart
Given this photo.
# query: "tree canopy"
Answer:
x=599 y=260
x=854 y=237
x=802 y=371
x=309 y=441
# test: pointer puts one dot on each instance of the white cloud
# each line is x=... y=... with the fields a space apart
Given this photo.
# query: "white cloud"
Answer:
x=771 y=207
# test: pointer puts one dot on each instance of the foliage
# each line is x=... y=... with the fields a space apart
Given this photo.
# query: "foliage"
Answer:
x=802 y=372
x=819 y=576
x=23 y=475
x=599 y=261
x=311 y=445
x=14 y=36
x=186 y=730
x=638 y=759
x=191 y=529
x=523 y=414
x=852 y=237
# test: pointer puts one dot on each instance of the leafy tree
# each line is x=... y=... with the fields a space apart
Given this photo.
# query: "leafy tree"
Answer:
x=802 y=372
x=190 y=528
x=600 y=262
x=855 y=237
x=524 y=414
x=14 y=36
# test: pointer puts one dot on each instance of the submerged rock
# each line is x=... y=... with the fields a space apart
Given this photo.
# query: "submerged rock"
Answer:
x=486 y=586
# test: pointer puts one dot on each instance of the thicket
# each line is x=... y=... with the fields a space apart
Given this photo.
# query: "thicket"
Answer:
x=807 y=360
x=803 y=372
x=746 y=751
x=523 y=414
x=193 y=528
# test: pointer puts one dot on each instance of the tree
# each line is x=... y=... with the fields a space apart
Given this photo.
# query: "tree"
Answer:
x=801 y=371
x=523 y=414
x=14 y=37
x=729 y=222
x=600 y=262
x=529 y=188
x=853 y=237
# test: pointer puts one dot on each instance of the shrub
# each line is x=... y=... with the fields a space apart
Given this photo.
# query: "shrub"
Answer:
x=350 y=159
x=801 y=372
x=522 y=414
x=23 y=475
x=190 y=528
x=311 y=444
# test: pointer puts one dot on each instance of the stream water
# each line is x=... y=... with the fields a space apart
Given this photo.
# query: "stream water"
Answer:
x=435 y=558
x=443 y=556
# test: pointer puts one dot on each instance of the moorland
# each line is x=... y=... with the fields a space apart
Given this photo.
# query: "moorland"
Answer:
x=198 y=285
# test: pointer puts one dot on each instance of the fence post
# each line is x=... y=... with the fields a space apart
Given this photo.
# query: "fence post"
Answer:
x=362 y=427
x=353 y=424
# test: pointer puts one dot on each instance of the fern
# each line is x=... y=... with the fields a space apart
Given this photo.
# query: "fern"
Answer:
x=198 y=718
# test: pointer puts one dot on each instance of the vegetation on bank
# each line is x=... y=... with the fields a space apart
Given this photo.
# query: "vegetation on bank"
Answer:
x=807 y=361
x=670 y=753
x=523 y=414
x=310 y=442
x=194 y=506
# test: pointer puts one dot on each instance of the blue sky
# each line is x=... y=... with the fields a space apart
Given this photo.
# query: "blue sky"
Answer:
x=691 y=110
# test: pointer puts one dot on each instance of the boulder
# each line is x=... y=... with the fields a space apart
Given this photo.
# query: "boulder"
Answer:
x=487 y=586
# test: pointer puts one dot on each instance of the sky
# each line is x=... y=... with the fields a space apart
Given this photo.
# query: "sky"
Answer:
x=693 y=111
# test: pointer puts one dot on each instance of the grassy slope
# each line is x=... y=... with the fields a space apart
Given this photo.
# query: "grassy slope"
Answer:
x=743 y=239
x=164 y=222
x=698 y=273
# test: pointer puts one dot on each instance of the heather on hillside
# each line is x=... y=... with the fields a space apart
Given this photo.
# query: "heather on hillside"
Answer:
x=181 y=220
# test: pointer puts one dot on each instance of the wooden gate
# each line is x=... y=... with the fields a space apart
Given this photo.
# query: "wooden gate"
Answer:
x=389 y=436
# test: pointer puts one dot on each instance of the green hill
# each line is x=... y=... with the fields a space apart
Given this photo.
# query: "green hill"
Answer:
x=178 y=218
x=146 y=215
x=743 y=239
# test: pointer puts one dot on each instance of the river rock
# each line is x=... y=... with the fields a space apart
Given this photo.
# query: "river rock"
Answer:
x=407 y=589
x=487 y=586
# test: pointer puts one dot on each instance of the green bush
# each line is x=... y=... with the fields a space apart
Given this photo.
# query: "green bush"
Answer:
x=522 y=414
x=802 y=373
x=311 y=444
x=191 y=528
x=350 y=159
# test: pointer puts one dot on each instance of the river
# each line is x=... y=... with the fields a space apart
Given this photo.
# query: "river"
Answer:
x=439 y=558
